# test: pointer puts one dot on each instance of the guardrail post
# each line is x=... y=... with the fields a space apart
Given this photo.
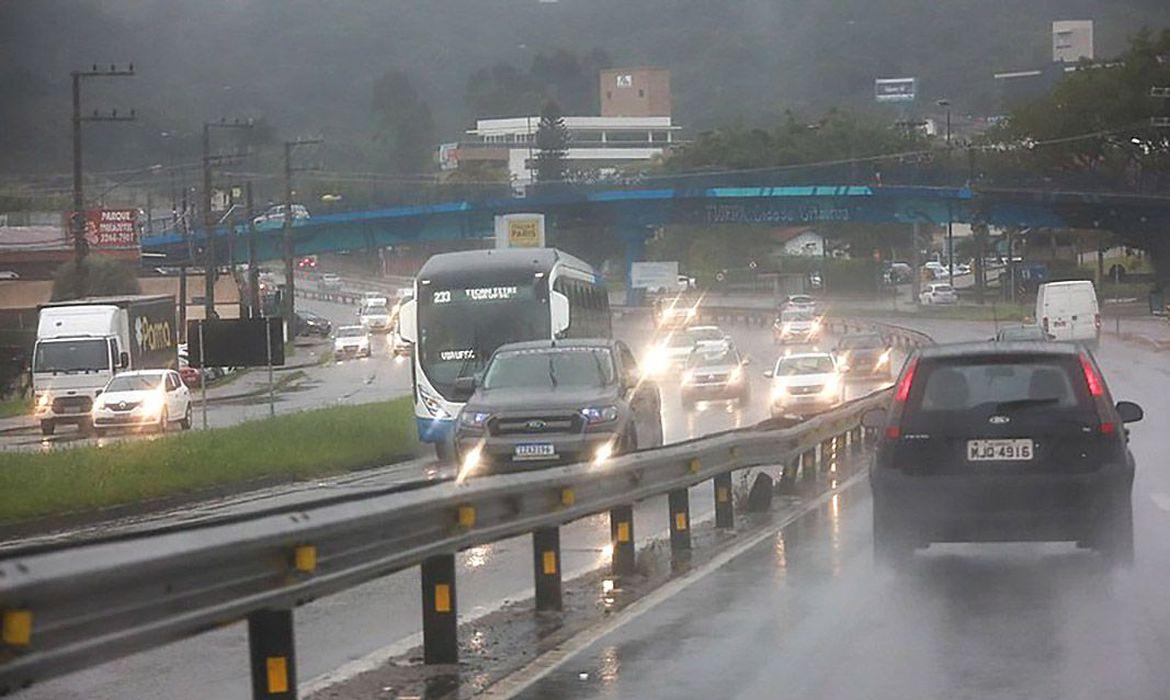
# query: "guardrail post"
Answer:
x=621 y=537
x=271 y=651
x=724 y=514
x=440 y=625
x=808 y=470
x=680 y=527
x=789 y=475
x=546 y=558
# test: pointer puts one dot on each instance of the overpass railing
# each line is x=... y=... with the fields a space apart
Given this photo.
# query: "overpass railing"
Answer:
x=68 y=608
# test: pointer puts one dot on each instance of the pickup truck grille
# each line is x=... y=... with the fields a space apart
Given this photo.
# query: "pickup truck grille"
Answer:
x=804 y=390
x=535 y=425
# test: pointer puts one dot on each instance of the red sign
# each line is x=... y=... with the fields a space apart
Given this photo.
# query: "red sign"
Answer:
x=111 y=228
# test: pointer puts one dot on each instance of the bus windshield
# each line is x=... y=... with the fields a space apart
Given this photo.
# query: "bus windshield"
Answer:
x=460 y=327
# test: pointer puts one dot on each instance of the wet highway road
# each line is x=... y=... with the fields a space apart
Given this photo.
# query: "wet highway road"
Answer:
x=806 y=614
x=384 y=616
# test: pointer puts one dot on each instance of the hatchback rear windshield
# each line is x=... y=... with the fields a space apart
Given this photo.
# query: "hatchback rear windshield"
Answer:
x=999 y=384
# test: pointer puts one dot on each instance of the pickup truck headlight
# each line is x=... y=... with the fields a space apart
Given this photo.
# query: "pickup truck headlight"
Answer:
x=599 y=414
x=44 y=398
x=736 y=375
x=474 y=419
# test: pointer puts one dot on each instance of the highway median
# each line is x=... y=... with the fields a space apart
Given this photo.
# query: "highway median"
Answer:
x=189 y=465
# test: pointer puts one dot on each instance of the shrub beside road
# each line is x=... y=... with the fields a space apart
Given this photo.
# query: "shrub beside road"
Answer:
x=284 y=448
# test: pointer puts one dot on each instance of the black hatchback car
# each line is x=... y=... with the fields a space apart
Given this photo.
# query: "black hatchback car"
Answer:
x=988 y=442
x=543 y=403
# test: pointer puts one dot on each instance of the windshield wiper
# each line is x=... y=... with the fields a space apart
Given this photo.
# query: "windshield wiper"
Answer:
x=1024 y=403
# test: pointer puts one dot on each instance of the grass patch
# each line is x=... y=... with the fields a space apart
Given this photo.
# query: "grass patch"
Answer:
x=15 y=407
x=298 y=445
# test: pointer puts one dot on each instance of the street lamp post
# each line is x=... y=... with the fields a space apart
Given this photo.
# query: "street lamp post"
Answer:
x=946 y=104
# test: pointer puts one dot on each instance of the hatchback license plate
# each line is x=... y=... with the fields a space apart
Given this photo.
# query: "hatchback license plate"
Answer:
x=537 y=450
x=999 y=450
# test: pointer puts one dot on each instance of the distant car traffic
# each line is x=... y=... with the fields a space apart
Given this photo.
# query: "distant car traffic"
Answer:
x=674 y=314
x=9 y=275
x=796 y=326
x=142 y=399
x=938 y=293
x=543 y=402
x=374 y=314
x=1068 y=311
x=990 y=442
x=311 y=324
x=351 y=341
x=330 y=281
x=1020 y=333
x=309 y=262
x=799 y=302
x=715 y=373
x=805 y=384
x=672 y=353
x=864 y=353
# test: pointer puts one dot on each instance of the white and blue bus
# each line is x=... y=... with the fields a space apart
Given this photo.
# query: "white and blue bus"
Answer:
x=467 y=304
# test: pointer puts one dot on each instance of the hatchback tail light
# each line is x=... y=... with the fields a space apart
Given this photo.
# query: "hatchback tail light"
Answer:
x=901 y=395
x=1096 y=387
x=1097 y=321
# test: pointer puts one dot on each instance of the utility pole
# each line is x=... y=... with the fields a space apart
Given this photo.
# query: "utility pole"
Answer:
x=253 y=272
x=915 y=265
x=77 y=216
x=210 y=261
x=289 y=263
x=950 y=216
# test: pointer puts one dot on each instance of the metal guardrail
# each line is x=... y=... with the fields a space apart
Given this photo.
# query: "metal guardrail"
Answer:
x=78 y=606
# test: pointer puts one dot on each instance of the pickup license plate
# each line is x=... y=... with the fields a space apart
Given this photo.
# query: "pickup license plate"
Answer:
x=1000 y=450
x=534 y=450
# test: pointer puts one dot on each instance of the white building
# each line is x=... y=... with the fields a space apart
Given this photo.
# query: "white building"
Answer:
x=597 y=144
x=1072 y=40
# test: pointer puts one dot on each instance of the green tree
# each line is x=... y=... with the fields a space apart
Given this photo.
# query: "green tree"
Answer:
x=104 y=276
x=405 y=127
x=552 y=143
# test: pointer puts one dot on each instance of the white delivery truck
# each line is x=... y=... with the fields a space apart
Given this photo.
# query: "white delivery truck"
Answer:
x=374 y=314
x=82 y=343
x=1068 y=311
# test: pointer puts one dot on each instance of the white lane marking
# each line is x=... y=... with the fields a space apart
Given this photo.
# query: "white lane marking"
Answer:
x=1161 y=500
x=546 y=663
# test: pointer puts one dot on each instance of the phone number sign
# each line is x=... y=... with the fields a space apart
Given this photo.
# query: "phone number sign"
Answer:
x=112 y=228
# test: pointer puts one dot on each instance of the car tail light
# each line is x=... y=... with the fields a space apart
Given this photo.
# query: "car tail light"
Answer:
x=1097 y=321
x=1092 y=379
x=903 y=391
x=893 y=432
x=1044 y=323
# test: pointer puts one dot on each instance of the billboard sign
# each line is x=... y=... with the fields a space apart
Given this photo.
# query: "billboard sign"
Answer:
x=520 y=231
x=895 y=89
x=237 y=342
x=448 y=156
x=654 y=276
x=110 y=229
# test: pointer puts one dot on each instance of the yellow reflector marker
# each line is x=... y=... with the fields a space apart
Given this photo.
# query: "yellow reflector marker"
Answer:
x=305 y=558
x=721 y=494
x=680 y=521
x=734 y=451
x=694 y=465
x=623 y=532
x=277 y=674
x=442 y=598
x=467 y=516
x=549 y=561
x=568 y=498
x=17 y=628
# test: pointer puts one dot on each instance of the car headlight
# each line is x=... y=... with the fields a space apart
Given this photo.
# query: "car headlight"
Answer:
x=832 y=385
x=883 y=359
x=736 y=375
x=153 y=403
x=779 y=391
x=691 y=312
x=599 y=414
x=688 y=377
x=474 y=419
x=815 y=327
x=44 y=398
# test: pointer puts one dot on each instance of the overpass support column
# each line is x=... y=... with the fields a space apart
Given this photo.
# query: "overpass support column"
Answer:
x=635 y=240
x=271 y=652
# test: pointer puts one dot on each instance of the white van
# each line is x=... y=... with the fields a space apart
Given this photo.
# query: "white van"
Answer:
x=1068 y=311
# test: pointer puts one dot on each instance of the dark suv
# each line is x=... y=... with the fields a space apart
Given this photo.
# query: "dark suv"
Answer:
x=988 y=442
x=552 y=402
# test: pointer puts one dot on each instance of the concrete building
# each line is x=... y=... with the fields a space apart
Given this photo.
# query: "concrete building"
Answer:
x=635 y=92
x=1072 y=40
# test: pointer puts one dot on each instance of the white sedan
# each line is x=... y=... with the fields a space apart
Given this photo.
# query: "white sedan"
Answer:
x=351 y=341
x=939 y=294
x=150 y=398
x=805 y=384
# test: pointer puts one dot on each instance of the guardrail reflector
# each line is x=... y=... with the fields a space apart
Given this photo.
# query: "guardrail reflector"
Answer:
x=695 y=465
x=568 y=498
x=467 y=516
x=735 y=451
x=442 y=598
x=721 y=494
x=305 y=558
x=277 y=667
x=623 y=532
x=680 y=521
x=549 y=563
x=17 y=627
